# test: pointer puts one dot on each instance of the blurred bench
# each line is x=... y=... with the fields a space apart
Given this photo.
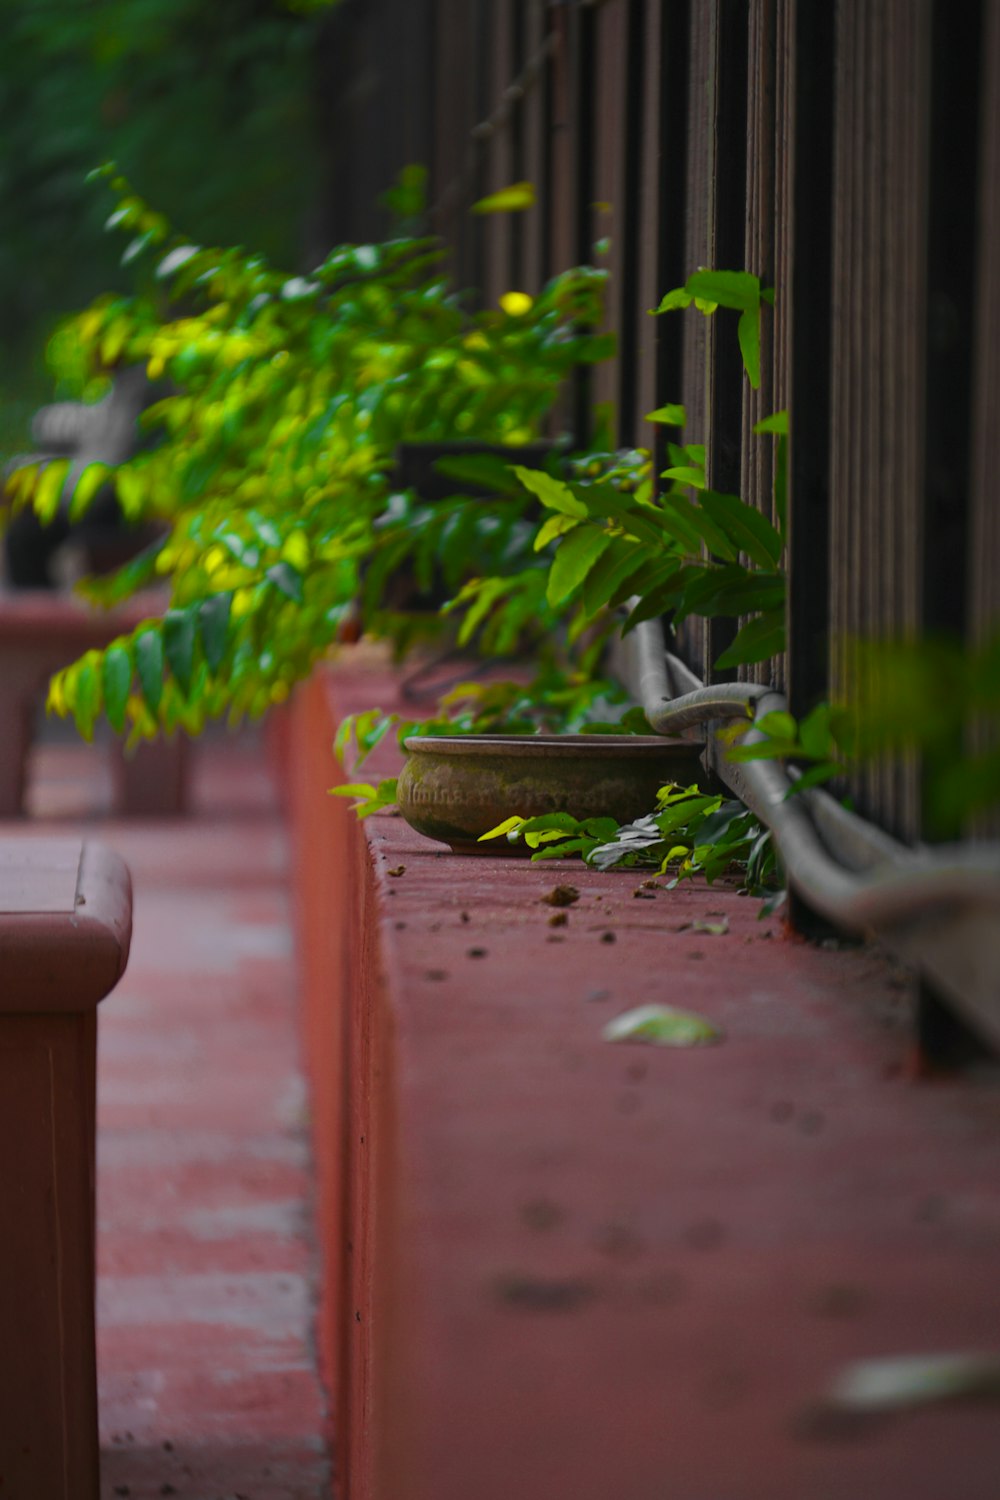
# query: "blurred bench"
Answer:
x=41 y=631
x=65 y=927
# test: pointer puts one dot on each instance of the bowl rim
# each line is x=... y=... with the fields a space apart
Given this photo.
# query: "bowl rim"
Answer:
x=543 y=746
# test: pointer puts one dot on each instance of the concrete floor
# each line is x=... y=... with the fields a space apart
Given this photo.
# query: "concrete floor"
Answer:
x=206 y=1269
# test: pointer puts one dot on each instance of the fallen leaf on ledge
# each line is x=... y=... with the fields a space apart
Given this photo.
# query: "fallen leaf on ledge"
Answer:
x=663 y=1026
x=910 y=1380
x=714 y=929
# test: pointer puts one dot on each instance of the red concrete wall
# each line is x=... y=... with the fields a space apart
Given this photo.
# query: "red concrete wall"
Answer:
x=558 y=1268
x=345 y=1037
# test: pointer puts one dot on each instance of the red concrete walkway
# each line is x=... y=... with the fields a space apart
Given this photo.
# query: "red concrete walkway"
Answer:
x=206 y=1286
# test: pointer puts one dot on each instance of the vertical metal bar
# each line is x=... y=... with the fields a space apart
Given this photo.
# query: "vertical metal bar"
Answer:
x=546 y=154
x=583 y=189
x=517 y=24
x=726 y=377
x=956 y=37
x=983 y=543
x=951 y=280
x=810 y=297
x=628 y=219
x=535 y=148
x=672 y=268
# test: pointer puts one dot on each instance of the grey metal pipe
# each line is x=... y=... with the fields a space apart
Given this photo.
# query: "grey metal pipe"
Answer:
x=669 y=714
x=899 y=885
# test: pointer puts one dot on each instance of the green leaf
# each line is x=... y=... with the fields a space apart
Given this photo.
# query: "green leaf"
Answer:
x=136 y=247
x=618 y=564
x=695 y=519
x=816 y=733
x=735 y=289
x=385 y=796
x=759 y=640
x=678 y=298
x=671 y=415
x=770 y=749
x=712 y=929
x=730 y=590
x=175 y=259
x=116 y=676
x=509 y=825
x=148 y=648
x=553 y=527
x=178 y=645
x=488 y=591
x=605 y=502
x=113 y=588
x=213 y=624
x=907 y=1381
x=553 y=493
x=663 y=1026
x=745 y=526
x=49 y=488
x=685 y=474
x=371 y=799
x=513 y=199
x=777 y=423
x=778 y=725
x=87 y=485
x=482 y=470
x=86 y=696
x=781 y=484
x=748 y=333
x=577 y=554
x=286 y=579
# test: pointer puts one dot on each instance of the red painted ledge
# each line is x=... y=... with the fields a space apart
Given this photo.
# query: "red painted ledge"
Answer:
x=559 y=1268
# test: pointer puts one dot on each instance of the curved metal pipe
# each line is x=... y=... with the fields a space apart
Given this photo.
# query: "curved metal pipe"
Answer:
x=669 y=714
x=898 y=887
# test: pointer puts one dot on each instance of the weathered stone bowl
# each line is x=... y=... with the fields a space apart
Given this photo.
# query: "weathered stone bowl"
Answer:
x=455 y=788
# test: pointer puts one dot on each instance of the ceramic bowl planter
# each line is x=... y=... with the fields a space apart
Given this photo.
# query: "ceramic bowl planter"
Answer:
x=455 y=788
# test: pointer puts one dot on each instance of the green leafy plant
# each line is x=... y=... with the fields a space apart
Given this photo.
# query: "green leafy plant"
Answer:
x=273 y=464
x=737 y=290
x=690 y=834
x=620 y=545
x=611 y=541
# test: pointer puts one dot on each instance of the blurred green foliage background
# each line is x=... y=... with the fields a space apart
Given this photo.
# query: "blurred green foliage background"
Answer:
x=209 y=106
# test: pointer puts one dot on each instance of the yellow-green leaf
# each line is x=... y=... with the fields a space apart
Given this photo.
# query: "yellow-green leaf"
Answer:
x=553 y=493
x=502 y=829
x=555 y=526
x=671 y=415
x=48 y=490
x=513 y=199
x=87 y=486
x=663 y=1026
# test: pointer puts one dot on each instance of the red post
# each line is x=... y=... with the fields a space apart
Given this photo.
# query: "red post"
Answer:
x=65 y=925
